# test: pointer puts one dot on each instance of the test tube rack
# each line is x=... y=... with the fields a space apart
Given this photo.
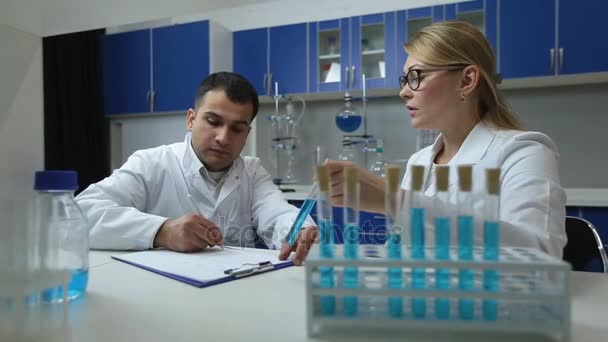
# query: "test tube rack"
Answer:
x=533 y=293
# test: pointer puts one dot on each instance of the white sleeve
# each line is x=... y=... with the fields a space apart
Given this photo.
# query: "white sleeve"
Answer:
x=272 y=215
x=532 y=201
x=114 y=208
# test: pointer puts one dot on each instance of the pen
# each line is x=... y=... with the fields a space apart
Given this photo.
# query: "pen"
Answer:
x=195 y=207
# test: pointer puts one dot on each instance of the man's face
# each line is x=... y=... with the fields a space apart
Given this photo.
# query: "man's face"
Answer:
x=219 y=129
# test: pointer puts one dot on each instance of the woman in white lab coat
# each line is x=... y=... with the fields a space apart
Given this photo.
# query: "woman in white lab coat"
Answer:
x=449 y=85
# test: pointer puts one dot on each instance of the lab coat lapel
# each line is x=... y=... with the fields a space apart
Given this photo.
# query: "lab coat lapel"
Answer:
x=192 y=173
x=472 y=150
x=232 y=180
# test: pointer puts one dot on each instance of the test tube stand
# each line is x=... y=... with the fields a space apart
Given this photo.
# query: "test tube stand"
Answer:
x=533 y=295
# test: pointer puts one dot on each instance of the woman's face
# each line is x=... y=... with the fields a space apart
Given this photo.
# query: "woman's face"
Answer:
x=434 y=104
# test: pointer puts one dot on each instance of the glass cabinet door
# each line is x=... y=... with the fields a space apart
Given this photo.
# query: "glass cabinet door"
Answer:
x=373 y=52
x=329 y=56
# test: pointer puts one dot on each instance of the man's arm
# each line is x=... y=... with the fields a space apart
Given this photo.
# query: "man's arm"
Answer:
x=114 y=208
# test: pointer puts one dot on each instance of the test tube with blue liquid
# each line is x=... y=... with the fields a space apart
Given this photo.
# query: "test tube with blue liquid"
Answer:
x=491 y=238
x=394 y=239
x=442 y=241
x=351 y=236
x=305 y=210
x=466 y=306
x=326 y=244
x=417 y=238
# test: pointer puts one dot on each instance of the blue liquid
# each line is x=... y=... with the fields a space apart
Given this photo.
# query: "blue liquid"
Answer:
x=491 y=238
x=395 y=277
x=418 y=274
x=351 y=275
x=328 y=303
x=348 y=123
x=76 y=288
x=297 y=225
x=442 y=276
x=465 y=252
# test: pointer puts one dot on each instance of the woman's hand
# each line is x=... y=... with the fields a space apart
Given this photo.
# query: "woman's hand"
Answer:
x=372 y=188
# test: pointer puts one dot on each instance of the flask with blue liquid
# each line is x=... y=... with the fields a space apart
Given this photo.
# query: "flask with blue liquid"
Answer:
x=347 y=119
x=55 y=195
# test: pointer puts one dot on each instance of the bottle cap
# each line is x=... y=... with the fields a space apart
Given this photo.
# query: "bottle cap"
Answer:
x=465 y=177
x=493 y=181
x=351 y=179
x=442 y=174
x=392 y=178
x=323 y=178
x=57 y=180
x=417 y=176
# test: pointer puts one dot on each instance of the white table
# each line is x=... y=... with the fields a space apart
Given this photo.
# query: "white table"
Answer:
x=125 y=303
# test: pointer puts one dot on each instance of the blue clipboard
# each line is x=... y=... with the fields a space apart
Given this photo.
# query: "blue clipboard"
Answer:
x=189 y=268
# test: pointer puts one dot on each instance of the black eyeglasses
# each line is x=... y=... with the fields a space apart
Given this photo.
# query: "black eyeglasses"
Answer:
x=412 y=78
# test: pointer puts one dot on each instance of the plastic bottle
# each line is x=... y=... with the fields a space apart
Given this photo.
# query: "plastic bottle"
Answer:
x=64 y=217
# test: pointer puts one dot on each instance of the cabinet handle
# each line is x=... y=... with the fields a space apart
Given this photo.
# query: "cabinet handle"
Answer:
x=552 y=56
x=347 y=76
x=561 y=59
x=352 y=76
x=152 y=95
x=149 y=98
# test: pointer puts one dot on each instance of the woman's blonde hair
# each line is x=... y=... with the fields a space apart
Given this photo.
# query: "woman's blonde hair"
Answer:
x=458 y=42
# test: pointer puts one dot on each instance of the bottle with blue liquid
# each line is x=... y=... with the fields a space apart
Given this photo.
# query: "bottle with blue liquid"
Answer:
x=417 y=228
x=466 y=306
x=55 y=195
x=351 y=237
x=491 y=238
x=442 y=241
x=394 y=238
x=326 y=243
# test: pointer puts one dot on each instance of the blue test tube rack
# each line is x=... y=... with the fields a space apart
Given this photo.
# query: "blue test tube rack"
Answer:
x=532 y=294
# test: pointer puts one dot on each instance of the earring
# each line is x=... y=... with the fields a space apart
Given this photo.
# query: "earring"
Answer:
x=462 y=99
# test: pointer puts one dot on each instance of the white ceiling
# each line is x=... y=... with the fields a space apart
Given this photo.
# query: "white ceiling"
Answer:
x=51 y=17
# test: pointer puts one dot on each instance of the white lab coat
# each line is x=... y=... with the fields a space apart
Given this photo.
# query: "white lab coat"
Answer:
x=532 y=202
x=127 y=208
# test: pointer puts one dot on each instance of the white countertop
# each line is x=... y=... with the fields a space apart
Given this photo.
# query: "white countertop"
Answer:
x=125 y=303
x=577 y=197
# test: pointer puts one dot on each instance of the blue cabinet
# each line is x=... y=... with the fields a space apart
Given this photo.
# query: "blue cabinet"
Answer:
x=480 y=13
x=552 y=37
x=527 y=38
x=268 y=55
x=250 y=57
x=582 y=44
x=155 y=70
x=408 y=24
x=342 y=50
x=288 y=58
x=126 y=63
x=181 y=62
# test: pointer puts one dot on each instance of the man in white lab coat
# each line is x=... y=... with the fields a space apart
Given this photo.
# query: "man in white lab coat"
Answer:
x=198 y=193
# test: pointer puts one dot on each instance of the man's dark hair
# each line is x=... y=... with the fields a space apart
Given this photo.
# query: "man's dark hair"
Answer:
x=237 y=88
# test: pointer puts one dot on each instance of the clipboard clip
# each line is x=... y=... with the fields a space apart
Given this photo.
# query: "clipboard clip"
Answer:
x=241 y=271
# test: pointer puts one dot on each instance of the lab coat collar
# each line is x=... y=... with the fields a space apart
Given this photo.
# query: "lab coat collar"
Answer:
x=471 y=152
x=193 y=166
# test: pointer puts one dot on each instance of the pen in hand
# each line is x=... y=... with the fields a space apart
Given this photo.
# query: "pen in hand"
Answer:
x=196 y=210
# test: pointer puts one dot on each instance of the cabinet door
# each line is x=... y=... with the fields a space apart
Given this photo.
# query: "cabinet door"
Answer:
x=480 y=13
x=125 y=59
x=250 y=57
x=181 y=62
x=527 y=37
x=288 y=58
x=326 y=55
x=582 y=36
x=374 y=49
x=408 y=24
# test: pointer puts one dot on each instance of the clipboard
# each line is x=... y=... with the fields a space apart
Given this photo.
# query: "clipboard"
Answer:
x=210 y=267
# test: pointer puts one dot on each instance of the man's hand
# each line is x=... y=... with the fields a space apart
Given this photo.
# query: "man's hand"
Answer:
x=306 y=238
x=189 y=233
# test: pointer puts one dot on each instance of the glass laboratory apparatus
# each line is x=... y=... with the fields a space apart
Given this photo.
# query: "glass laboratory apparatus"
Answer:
x=284 y=140
x=379 y=166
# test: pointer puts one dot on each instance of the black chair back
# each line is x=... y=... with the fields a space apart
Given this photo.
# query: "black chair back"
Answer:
x=584 y=249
